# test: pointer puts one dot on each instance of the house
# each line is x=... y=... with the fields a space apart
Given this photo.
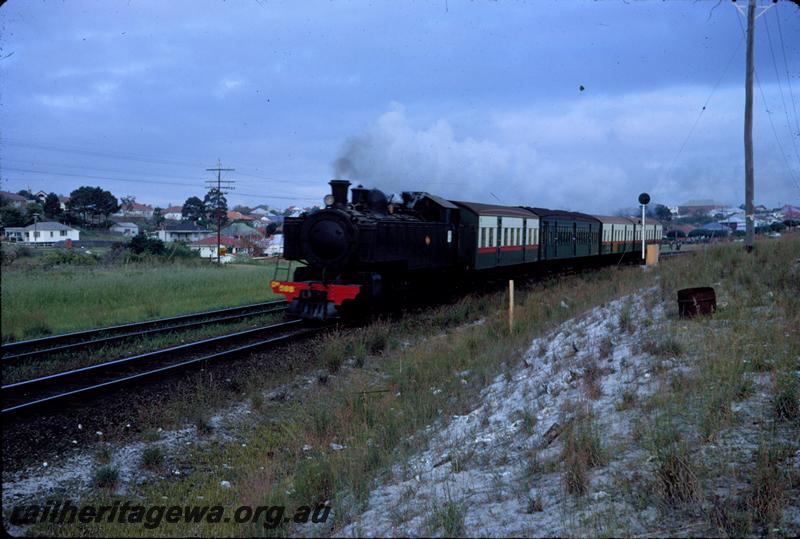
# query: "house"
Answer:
x=699 y=207
x=735 y=221
x=15 y=200
x=208 y=248
x=184 y=232
x=126 y=229
x=239 y=216
x=275 y=246
x=135 y=209
x=174 y=213
x=14 y=233
x=48 y=233
x=240 y=230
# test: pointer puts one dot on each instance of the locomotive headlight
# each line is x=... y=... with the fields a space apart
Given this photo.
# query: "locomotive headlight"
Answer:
x=328 y=200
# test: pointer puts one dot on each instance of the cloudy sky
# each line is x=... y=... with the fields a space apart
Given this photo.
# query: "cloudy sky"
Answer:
x=579 y=105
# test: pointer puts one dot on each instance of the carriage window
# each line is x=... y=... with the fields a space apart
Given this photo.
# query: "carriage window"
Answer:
x=491 y=237
x=483 y=238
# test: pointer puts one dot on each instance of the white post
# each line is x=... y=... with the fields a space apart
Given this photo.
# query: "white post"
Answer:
x=643 y=257
x=511 y=306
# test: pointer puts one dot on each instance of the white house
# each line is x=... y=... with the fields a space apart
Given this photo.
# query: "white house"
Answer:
x=275 y=246
x=136 y=209
x=173 y=213
x=230 y=248
x=185 y=232
x=14 y=233
x=48 y=233
x=126 y=229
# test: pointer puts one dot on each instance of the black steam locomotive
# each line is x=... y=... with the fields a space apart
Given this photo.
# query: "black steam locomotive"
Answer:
x=372 y=249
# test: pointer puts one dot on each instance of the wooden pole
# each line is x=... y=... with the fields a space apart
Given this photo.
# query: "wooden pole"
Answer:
x=749 y=210
x=511 y=306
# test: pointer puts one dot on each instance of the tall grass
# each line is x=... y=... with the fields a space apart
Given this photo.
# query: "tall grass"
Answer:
x=39 y=302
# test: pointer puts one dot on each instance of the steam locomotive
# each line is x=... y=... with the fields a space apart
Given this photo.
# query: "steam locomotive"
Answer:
x=370 y=249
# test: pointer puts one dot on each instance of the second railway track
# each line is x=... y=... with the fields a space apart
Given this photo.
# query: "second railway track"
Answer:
x=67 y=386
x=21 y=351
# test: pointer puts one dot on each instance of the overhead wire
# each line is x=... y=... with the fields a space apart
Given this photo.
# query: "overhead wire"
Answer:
x=769 y=114
x=780 y=88
x=699 y=115
x=788 y=76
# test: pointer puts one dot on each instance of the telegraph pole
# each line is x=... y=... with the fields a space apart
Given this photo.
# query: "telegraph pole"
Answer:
x=749 y=210
x=226 y=185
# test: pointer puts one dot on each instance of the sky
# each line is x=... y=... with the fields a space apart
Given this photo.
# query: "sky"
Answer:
x=573 y=105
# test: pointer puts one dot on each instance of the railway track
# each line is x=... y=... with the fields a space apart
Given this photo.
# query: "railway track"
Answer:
x=20 y=351
x=69 y=386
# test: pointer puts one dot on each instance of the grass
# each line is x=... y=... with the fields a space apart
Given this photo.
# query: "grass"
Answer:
x=379 y=411
x=44 y=302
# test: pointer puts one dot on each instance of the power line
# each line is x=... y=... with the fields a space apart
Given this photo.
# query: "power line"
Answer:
x=137 y=180
x=700 y=114
x=223 y=186
x=780 y=88
x=129 y=157
x=788 y=76
x=769 y=114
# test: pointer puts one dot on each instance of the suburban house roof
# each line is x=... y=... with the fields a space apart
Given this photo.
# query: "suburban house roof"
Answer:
x=13 y=196
x=224 y=240
x=173 y=209
x=127 y=225
x=136 y=206
x=239 y=216
x=240 y=229
x=48 y=225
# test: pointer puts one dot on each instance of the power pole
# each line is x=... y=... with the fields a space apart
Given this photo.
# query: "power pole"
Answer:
x=221 y=185
x=749 y=210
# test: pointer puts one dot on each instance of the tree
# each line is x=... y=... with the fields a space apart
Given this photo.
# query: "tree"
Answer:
x=662 y=213
x=216 y=207
x=11 y=216
x=243 y=209
x=271 y=228
x=27 y=194
x=52 y=207
x=33 y=212
x=193 y=210
x=92 y=202
x=127 y=202
x=158 y=216
x=141 y=244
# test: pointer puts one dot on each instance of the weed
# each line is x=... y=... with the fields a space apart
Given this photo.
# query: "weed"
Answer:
x=534 y=505
x=103 y=455
x=106 y=477
x=153 y=458
x=583 y=450
x=449 y=517
x=676 y=478
x=785 y=405
x=626 y=318
x=591 y=381
x=606 y=347
x=202 y=423
x=529 y=420
x=767 y=497
x=256 y=400
x=628 y=400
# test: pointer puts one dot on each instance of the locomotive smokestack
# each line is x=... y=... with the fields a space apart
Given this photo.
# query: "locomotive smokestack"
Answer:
x=339 y=191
